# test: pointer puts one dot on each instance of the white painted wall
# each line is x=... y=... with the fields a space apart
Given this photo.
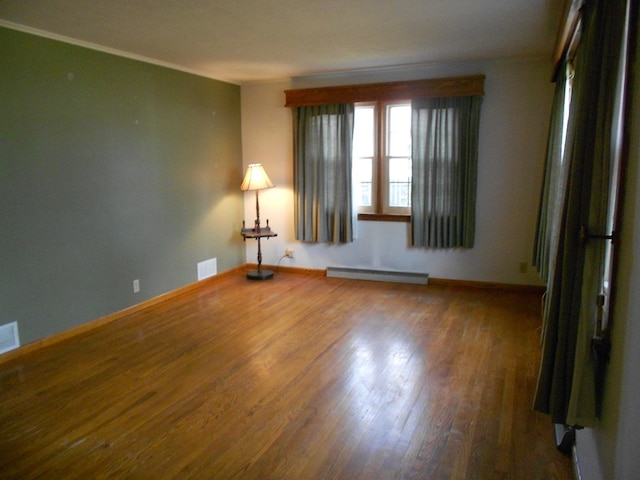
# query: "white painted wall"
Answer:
x=513 y=131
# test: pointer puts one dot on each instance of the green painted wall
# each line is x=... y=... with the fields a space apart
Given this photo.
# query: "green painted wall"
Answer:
x=110 y=170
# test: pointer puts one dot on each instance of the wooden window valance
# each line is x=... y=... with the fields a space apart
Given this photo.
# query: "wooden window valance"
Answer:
x=432 y=88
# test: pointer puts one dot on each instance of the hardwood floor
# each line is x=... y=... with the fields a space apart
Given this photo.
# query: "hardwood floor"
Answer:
x=299 y=377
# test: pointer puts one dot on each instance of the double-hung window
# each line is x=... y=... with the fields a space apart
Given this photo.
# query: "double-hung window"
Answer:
x=382 y=184
x=382 y=158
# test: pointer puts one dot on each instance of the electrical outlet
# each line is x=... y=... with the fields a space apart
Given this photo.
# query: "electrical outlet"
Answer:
x=136 y=286
x=288 y=252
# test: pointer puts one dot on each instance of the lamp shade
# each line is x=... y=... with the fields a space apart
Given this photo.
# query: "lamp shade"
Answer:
x=256 y=178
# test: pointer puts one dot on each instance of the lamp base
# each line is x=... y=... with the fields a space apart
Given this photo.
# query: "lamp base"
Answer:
x=259 y=275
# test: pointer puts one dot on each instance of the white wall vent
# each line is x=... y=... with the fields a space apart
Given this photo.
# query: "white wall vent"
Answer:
x=9 y=339
x=379 y=275
x=207 y=268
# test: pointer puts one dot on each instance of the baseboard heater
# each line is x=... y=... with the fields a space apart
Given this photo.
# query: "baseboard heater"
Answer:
x=378 y=275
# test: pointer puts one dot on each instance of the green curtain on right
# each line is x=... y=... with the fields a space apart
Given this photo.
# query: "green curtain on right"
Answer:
x=566 y=387
x=444 y=149
x=554 y=179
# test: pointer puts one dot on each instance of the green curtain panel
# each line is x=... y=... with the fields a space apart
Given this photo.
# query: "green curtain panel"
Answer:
x=445 y=158
x=323 y=138
x=554 y=179
x=566 y=386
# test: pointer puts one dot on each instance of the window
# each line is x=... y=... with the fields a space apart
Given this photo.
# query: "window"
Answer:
x=382 y=158
x=382 y=164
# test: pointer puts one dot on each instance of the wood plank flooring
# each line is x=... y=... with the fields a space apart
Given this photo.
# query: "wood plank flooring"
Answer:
x=299 y=377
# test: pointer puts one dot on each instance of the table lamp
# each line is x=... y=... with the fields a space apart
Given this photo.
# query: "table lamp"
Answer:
x=257 y=179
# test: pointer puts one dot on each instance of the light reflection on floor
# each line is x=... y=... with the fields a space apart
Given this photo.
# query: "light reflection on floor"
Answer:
x=383 y=382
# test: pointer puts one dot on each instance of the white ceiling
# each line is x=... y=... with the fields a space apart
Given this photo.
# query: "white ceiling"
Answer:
x=250 y=40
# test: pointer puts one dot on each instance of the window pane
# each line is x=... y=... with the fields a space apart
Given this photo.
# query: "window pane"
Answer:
x=363 y=132
x=363 y=151
x=362 y=180
x=400 y=182
x=399 y=155
x=399 y=130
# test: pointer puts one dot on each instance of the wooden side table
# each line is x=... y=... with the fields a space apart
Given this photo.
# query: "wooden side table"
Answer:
x=258 y=233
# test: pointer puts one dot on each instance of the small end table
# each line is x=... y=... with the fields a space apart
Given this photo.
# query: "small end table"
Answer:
x=258 y=233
